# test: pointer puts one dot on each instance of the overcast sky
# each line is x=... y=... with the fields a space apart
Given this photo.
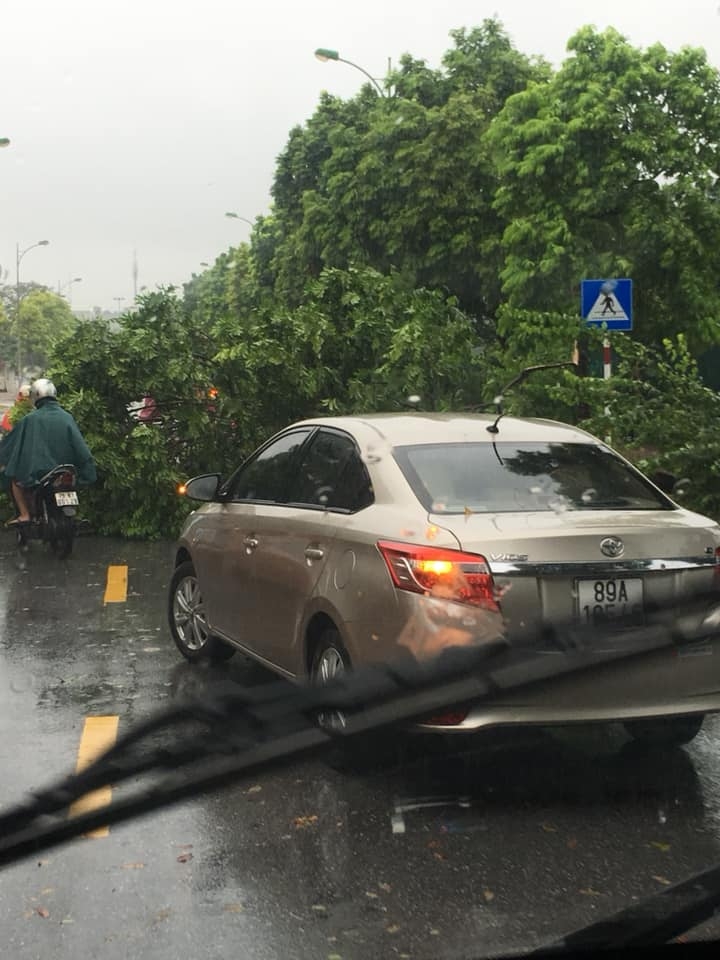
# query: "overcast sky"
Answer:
x=135 y=125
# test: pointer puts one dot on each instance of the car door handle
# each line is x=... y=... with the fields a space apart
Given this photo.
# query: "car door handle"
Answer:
x=314 y=553
x=250 y=542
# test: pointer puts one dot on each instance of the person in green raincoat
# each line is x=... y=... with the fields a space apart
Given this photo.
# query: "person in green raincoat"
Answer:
x=42 y=440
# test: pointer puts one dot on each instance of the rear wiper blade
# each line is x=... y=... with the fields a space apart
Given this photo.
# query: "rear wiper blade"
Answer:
x=650 y=923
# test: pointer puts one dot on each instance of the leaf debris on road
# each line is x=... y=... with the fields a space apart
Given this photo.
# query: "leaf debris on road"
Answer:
x=301 y=823
x=659 y=845
x=233 y=907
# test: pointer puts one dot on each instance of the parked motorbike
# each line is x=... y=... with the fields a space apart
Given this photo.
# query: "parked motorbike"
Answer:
x=54 y=511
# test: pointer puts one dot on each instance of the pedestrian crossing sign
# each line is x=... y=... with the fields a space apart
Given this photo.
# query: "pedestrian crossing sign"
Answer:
x=607 y=303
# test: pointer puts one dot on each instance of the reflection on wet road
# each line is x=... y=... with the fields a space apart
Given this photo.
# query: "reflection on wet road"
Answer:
x=423 y=854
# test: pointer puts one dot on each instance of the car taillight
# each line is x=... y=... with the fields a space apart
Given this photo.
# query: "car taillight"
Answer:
x=437 y=572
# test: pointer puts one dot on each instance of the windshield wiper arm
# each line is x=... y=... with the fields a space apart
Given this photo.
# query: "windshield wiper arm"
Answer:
x=215 y=742
x=651 y=922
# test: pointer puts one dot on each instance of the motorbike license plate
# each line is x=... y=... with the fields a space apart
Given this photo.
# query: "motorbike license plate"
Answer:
x=616 y=601
x=68 y=499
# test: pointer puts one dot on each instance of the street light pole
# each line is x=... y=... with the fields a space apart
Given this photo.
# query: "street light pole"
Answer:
x=324 y=54
x=19 y=254
x=68 y=286
x=236 y=216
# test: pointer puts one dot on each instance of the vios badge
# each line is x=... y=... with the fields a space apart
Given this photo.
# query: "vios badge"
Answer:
x=612 y=547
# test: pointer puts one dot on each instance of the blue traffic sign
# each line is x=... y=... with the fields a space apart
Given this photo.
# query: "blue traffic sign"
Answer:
x=607 y=302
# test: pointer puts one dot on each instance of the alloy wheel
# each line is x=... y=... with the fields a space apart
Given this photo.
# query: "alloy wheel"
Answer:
x=189 y=614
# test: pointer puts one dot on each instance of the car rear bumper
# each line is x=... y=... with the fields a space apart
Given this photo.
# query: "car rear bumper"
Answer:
x=668 y=682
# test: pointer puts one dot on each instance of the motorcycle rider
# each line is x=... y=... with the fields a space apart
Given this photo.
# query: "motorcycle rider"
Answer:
x=21 y=407
x=42 y=440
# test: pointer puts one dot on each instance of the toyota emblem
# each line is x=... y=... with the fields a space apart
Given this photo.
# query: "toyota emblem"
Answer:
x=612 y=547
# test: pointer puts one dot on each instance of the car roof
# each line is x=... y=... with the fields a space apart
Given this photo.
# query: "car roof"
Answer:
x=400 y=429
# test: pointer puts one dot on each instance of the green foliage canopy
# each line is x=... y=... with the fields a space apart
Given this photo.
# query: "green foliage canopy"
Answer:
x=609 y=168
x=431 y=242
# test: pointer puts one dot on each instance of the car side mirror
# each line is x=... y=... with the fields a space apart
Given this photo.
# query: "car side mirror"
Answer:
x=204 y=487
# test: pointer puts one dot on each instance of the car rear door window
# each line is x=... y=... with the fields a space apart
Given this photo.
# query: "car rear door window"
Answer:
x=331 y=474
x=268 y=475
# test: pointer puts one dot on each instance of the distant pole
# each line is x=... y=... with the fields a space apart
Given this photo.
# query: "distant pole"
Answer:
x=19 y=254
x=607 y=371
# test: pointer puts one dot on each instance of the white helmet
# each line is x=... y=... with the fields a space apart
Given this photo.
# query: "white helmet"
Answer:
x=42 y=388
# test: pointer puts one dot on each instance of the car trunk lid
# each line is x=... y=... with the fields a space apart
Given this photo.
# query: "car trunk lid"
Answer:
x=588 y=568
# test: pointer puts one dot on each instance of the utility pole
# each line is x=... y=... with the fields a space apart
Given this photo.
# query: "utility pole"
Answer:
x=19 y=254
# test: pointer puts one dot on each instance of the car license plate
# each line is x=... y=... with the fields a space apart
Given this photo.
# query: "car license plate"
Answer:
x=617 y=601
x=66 y=499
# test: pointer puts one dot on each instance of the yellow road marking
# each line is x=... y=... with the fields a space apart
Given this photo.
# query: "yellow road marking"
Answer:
x=116 y=585
x=99 y=733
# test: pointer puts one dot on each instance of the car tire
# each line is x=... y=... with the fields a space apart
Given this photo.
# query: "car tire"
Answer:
x=329 y=660
x=329 y=657
x=358 y=755
x=665 y=731
x=186 y=617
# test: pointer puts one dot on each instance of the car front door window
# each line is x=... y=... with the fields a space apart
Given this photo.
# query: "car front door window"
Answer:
x=267 y=476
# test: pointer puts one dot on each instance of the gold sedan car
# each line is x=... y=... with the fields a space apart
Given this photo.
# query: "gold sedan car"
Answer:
x=351 y=540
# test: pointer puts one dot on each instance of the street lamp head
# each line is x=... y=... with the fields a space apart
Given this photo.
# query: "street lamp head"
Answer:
x=43 y=243
x=323 y=54
x=77 y=279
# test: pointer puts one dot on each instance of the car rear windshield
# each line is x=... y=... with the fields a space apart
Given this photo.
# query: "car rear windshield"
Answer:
x=511 y=477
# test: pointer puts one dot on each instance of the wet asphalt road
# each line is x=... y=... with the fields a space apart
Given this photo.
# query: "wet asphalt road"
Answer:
x=537 y=833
